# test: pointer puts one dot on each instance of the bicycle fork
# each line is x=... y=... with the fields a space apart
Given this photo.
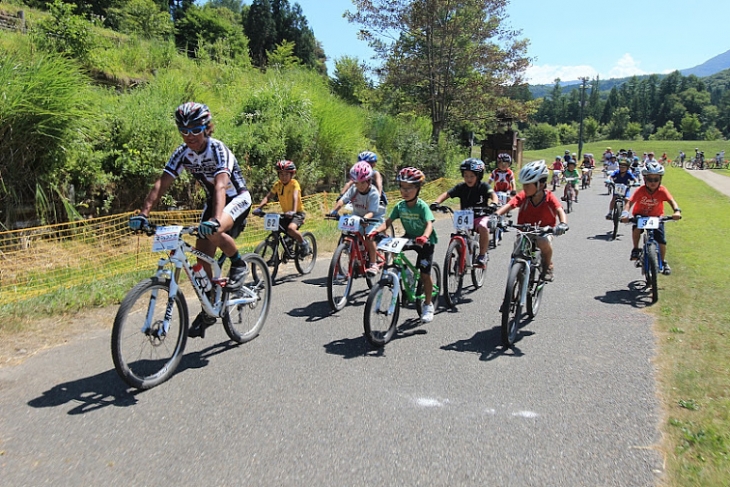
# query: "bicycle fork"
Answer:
x=394 y=279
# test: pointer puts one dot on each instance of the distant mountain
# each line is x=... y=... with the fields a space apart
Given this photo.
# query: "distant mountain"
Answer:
x=710 y=67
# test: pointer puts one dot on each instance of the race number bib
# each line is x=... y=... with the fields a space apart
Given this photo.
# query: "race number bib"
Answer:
x=648 y=222
x=349 y=223
x=166 y=238
x=392 y=244
x=271 y=221
x=621 y=188
x=463 y=220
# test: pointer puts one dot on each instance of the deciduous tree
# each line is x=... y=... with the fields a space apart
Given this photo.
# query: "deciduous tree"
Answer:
x=453 y=59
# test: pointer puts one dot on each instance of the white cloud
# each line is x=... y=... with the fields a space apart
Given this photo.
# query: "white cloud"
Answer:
x=626 y=66
x=546 y=74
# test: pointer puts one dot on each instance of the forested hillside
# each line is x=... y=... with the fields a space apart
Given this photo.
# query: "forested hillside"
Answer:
x=89 y=88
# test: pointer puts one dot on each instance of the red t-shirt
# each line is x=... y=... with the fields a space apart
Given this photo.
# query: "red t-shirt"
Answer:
x=544 y=213
x=649 y=204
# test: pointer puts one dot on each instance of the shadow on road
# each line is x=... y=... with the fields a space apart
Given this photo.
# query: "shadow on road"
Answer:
x=637 y=295
x=352 y=348
x=107 y=389
x=316 y=311
x=317 y=281
x=488 y=344
x=604 y=236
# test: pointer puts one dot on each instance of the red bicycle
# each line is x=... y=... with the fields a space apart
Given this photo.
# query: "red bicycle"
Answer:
x=350 y=260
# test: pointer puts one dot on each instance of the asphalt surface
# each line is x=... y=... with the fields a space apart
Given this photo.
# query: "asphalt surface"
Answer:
x=309 y=402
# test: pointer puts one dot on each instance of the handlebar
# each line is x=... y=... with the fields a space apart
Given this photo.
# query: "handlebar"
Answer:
x=367 y=221
x=663 y=218
x=478 y=210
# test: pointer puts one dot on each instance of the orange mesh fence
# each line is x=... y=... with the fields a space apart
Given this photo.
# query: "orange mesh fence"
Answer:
x=39 y=260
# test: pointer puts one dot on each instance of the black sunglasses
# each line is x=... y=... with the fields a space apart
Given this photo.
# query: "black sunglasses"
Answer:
x=652 y=180
x=195 y=130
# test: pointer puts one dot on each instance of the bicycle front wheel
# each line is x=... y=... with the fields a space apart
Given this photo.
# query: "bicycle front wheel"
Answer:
x=381 y=312
x=243 y=320
x=652 y=269
x=511 y=308
x=268 y=251
x=616 y=217
x=435 y=293
x=569 y=203
x=145 y=354
x=305 y=264
x=453 y=274
x=339 y=276
x=534 y=297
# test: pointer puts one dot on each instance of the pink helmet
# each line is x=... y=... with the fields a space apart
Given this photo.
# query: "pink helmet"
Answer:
x=361 y=171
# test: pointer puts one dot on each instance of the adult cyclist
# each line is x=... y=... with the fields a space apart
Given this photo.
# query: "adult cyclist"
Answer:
x=227 y=201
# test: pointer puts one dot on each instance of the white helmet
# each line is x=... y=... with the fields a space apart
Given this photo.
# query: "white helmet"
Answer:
x=653 y=168
x=533 y=172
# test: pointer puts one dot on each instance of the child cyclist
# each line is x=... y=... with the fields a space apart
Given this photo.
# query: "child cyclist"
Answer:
x=289 y=193
x=540 y=207
x=620 y=176
x=227 y=199
x=571 y=172
x=473 y=192
x=417 y=220
x=365 y=201
x=502 y=178
x=372 y=159
x=557 y=170
x=649 y=200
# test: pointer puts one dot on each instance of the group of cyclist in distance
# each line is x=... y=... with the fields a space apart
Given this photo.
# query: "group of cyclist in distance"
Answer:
x=228 y=201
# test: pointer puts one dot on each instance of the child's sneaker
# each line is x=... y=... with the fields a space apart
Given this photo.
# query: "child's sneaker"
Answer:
x=481 y=261
x=373 y=269
x=666 y=270
x=609 y=216
x=635 y=254
x=304 y=249
x=200 y=323
x=427 y=315
x=547 y=275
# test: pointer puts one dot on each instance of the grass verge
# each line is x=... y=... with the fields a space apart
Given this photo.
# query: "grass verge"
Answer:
x=693 y=335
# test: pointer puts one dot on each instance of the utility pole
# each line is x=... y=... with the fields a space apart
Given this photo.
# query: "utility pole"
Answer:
x=580 y=132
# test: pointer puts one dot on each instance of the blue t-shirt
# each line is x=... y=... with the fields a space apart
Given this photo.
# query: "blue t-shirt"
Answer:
x=626 y=178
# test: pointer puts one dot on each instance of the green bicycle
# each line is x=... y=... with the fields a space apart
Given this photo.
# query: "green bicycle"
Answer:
x=399 y=284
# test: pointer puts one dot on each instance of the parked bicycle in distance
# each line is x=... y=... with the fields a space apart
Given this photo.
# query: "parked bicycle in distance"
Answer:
x=462 y=252
x=399 y=284
x=151 y=326
x=350 y=259
x=525 y=283
x=650 y=260
x=279 y=248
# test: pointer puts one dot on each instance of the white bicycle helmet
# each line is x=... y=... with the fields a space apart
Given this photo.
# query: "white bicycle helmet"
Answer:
x=533 y=172
x=653 y=168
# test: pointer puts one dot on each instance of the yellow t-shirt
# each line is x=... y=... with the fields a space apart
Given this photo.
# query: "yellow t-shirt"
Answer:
x=285 y=193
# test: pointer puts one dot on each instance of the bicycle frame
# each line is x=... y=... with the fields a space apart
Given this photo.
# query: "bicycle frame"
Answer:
x=524 y=252
x=176 y=258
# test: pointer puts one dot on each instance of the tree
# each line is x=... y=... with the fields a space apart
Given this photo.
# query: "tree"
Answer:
x=452 y=59
x=667 y=132
x=349 y=81
x=260 y=29
x=283 y=56
x=234 y=6
x=619 y=123
x=141 y=17
x=64 y=33
x=541 y=136
x=691 y=127
x=590 y=129
x=211 y=30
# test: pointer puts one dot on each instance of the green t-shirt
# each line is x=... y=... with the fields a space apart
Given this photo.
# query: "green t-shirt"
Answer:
x=572 y=174
x=414 y=219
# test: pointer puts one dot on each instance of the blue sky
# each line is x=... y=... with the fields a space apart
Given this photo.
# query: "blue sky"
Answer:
x=573 y=38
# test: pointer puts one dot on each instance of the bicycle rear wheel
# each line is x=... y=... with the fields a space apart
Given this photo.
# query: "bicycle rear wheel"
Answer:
x=651 y=271
x=339 y=276
x=511 y=308
x=243 y=321
x=381 y=311
x=144 y=354
x=305 y=264
x=268 y=251
x=453 y=277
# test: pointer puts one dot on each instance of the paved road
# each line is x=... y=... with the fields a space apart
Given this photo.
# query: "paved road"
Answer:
x=310 y=403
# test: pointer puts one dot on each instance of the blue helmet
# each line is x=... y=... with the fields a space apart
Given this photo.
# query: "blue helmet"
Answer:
x=367 y=156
